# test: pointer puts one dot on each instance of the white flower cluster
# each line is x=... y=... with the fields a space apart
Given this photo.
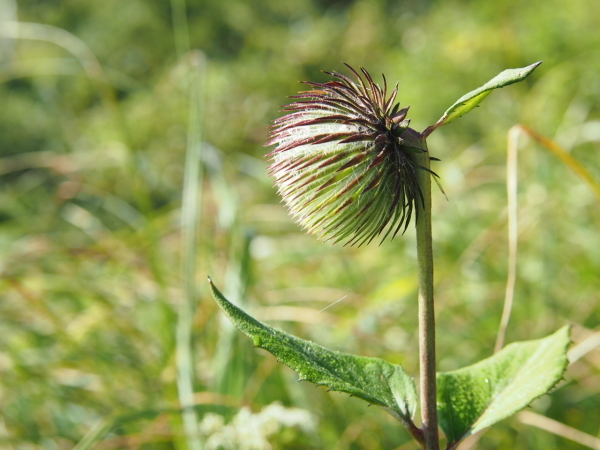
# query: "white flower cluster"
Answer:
x=250 y=431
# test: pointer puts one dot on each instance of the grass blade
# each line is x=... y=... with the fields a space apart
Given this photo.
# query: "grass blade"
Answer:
x=565 y=157
x=192 y=195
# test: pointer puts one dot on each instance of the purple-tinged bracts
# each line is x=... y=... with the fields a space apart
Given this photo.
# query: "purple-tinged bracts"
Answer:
x=340 y=163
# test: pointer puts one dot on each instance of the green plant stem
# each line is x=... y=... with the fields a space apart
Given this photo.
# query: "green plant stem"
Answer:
x=426 y=304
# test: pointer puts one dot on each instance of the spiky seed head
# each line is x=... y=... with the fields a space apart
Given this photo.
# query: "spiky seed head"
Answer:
x=340 y=163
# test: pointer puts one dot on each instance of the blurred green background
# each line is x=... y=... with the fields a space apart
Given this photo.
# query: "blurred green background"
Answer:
x=101 y=101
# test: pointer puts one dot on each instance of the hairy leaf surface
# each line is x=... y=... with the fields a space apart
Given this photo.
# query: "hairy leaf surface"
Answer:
x=469 y=101
x=371 y=379
x=477 y=396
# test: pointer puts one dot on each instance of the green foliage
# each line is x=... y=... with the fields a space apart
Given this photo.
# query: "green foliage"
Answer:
x=471 y=100
x=90 y=201
x=371 y=379
x=469 y=399
x=476 y=397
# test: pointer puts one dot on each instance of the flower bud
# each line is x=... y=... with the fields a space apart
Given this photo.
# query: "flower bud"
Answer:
x=340 y=162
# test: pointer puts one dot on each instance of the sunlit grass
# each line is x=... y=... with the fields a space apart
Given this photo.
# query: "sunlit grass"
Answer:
x=91 y=205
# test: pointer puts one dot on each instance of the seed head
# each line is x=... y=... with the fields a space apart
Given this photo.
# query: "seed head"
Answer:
x=340 y=163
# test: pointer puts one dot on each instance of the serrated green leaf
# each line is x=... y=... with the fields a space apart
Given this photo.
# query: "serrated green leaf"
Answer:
x=371 y=379
x=469 y=101
x=476 y=397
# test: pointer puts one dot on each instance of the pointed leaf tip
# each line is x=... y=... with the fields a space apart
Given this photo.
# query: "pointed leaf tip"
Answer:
x=471 y=100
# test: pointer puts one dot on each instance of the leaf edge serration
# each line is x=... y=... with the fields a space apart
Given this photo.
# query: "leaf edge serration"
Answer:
x=486 y=419
x=396 y=392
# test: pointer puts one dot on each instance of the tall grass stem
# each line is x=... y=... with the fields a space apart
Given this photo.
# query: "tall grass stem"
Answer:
x=192 y=196
x=180 y=27
x=511 y=190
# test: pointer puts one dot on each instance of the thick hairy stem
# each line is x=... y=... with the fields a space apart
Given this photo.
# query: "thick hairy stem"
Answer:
x=426 y=305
